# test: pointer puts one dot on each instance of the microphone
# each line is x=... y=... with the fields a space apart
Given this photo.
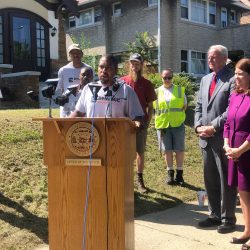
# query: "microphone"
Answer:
x=94 y=87
x=64 y=98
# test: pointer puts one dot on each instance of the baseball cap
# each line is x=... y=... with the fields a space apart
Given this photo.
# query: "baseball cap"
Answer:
x=136 y=57
x=74 y=46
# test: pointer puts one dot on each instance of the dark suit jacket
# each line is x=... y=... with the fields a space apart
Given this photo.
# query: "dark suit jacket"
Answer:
x=214 y=111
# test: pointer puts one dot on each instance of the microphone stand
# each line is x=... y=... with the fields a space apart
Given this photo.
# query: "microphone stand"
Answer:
x=109 y=113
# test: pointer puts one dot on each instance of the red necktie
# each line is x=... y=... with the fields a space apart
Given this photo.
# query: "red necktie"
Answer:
x=212 y=86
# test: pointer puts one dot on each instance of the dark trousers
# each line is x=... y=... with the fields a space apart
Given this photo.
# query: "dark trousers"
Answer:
x=221 y=197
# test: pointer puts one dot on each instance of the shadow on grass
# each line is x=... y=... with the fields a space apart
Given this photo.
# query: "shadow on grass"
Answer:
x=25 y=220
x=192 y=187
x=190 y=116
x=145 y=205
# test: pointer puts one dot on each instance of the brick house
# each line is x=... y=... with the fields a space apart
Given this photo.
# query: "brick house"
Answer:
x=187 y=28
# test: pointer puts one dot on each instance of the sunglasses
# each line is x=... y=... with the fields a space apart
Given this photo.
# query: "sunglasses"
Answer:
x=167 y=78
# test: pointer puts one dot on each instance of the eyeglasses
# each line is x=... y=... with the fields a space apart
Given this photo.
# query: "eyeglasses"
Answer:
x=167 y=78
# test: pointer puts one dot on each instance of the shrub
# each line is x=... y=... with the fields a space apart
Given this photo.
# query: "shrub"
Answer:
x=181 y=79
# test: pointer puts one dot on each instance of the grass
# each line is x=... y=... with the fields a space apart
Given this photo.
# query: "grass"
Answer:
x=23 y=179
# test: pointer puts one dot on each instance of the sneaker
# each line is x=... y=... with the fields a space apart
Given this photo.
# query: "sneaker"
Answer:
x=209 y=222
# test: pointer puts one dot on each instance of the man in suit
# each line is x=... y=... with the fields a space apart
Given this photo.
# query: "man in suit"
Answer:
x=210 y=116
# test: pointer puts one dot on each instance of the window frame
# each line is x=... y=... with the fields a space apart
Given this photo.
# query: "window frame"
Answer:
x=150 y=4
x=205 y=2
x=235 y=16
x=186 y=7
x=207 y=12
x=221 y=21
x=113 y=9
x=189 y=62
x=92 y=11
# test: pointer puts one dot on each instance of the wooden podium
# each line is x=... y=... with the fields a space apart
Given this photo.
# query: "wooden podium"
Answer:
x=110 y=213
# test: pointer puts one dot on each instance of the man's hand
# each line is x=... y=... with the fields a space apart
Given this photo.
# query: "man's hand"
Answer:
x=205 y=131
x=138 y=125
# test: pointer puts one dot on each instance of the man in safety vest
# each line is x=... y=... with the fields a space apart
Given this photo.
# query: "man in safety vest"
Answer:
x=170 y=115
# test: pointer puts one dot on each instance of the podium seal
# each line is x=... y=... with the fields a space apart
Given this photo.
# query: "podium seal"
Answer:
x=78 y=138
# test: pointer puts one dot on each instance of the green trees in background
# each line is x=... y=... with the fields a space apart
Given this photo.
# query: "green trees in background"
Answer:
x=85 y=45
x=181 y=79
x=143 y=45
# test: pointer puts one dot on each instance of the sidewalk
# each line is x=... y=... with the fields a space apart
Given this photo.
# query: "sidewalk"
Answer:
x=175 y=228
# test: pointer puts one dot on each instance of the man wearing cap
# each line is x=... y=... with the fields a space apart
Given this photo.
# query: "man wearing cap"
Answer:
x=68 y=76
x=146 y=94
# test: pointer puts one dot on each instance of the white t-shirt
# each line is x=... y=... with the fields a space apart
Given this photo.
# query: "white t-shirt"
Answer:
x=124 y=102
x=68 y=75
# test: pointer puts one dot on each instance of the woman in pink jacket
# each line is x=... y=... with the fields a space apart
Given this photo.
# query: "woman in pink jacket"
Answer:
x=237 y=144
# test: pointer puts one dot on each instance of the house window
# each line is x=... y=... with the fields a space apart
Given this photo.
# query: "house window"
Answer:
x=184 y=9
x=72 y=22
x=223 y=17
x=184 y=61
x=199 y=11
x=152 y=3
x=198 y=62
x=212 y=12
x=40 y=41
x=21 y=38
x=1 y=39
x=87 y=17
x=117 y=9
x=97 y=14
x=193 y=62
x=232 y=16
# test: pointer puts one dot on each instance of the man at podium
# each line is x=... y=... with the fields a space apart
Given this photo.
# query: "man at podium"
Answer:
x=109 y=97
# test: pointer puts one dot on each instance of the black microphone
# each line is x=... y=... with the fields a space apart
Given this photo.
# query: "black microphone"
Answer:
x=94 y=87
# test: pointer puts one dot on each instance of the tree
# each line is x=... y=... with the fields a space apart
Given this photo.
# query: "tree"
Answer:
x=85 y=45
x=143 y=45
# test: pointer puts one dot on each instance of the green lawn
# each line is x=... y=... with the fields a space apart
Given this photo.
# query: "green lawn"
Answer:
x=23 y=179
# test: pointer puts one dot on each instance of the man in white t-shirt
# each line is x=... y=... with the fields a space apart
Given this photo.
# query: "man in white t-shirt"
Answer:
x=68 y=76
x=114 y=99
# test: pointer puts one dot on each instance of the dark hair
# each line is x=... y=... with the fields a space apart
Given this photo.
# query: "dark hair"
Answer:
x=169 y=70
x=244 y=65
x=111 y=59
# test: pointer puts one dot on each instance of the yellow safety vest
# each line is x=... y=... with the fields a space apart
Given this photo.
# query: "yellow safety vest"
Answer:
x=172 y=113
